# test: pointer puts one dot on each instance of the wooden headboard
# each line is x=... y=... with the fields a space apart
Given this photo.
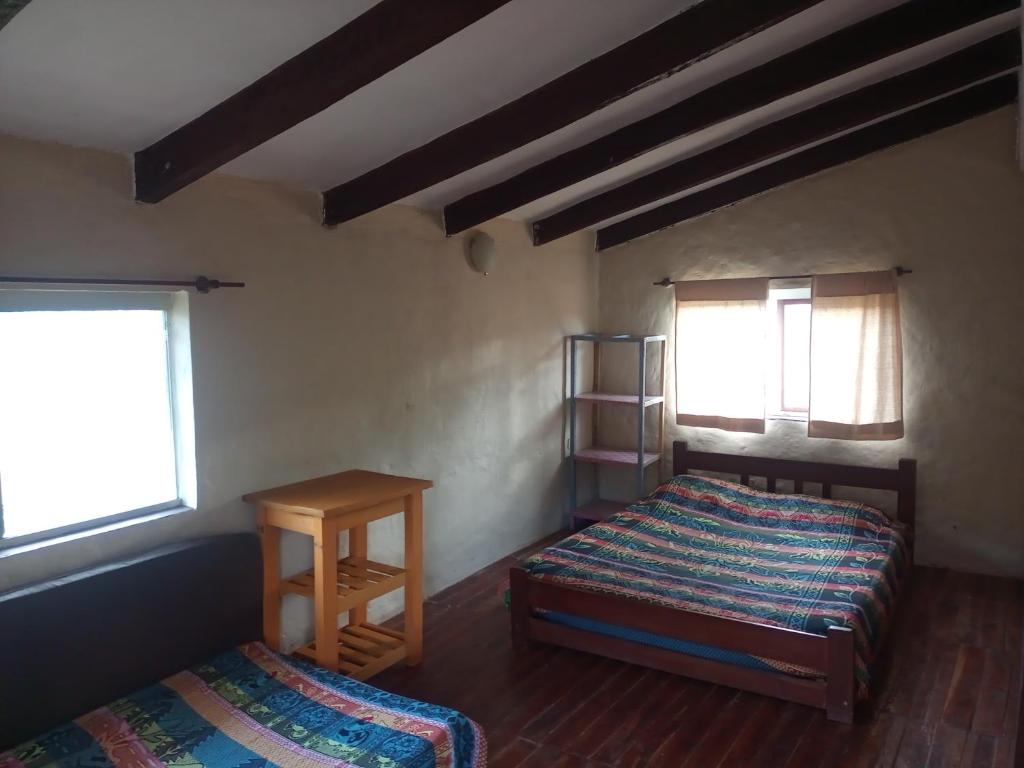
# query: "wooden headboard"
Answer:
x=902 y=480
x=77 y=642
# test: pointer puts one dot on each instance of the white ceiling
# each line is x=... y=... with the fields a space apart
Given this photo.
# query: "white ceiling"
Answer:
x=120 y=74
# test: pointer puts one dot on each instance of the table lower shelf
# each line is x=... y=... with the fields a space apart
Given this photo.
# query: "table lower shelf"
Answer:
x=363 y=650
x=359 y=580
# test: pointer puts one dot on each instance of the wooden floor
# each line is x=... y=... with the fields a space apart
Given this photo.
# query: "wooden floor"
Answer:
x=946 y=694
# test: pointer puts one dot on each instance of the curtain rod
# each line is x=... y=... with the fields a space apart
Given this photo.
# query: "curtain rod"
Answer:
x=900 y=272
x=202 y=284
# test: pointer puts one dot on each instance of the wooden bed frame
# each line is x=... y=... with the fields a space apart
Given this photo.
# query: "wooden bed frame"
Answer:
x=831 y=656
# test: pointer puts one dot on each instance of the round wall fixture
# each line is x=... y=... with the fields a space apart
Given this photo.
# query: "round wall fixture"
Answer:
x=483 y=253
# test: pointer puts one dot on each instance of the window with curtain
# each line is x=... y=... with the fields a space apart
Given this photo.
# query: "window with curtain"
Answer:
x=720 y=348
x=828 y=353
x=856 y=357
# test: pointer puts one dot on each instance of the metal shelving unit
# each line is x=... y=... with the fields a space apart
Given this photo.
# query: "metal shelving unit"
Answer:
x=639 y=457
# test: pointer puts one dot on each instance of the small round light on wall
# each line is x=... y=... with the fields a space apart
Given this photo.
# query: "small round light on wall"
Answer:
x=483 y=253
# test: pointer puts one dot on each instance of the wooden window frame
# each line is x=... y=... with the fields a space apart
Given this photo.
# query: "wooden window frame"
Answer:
x=176 y=326
x=785 y=411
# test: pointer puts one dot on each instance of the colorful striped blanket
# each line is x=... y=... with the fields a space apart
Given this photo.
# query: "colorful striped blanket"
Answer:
x=251 y=707
x=723 y=549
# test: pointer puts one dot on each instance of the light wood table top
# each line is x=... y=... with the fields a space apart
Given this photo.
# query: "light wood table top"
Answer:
x=334 y=495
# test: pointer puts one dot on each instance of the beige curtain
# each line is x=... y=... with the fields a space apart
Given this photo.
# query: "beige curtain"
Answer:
x=720 y=347
x=856 y=357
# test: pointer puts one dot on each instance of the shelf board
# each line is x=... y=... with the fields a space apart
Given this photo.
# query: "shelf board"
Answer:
x=363 y=650
x=614 y=456
x=620 y=337
x=359 y=580
x=599 y=510
x=617 y=399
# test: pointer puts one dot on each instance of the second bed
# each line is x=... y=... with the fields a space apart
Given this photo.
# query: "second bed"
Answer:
x=787 y=595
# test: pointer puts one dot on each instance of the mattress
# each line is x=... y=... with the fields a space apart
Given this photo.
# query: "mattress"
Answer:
x=711 y=546
x=251 y=707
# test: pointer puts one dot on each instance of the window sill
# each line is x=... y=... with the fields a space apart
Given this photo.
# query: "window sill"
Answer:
x=801 y=417
x=22 y=544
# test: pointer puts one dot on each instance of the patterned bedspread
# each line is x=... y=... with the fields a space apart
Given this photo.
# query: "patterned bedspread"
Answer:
x=719 y=548
x=252 y=707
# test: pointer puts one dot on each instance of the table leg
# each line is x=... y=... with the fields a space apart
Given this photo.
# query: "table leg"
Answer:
x=325 y=594
x=414 y=578
x=358 y=546
x=270 y=544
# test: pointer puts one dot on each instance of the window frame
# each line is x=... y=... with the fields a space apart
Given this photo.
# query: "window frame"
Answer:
x=780 y=292
x=784 y=411
x=174 y=306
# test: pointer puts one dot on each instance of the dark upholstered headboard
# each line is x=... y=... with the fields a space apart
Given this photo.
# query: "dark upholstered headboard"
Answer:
x=79 y=641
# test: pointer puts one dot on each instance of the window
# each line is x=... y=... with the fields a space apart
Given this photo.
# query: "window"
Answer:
x=91 y=409
x=789 y=334
x=748 y=349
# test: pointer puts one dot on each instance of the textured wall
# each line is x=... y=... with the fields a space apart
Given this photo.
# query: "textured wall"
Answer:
x=371 y=345
x=951 y=206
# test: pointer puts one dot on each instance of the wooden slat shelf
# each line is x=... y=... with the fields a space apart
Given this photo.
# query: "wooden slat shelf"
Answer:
x=616 y=399
x=363 y=649
x=614 y=456
x=359 y=581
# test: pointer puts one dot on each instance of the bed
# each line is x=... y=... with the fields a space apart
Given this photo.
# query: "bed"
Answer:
x=157 y=661
x=788 y=595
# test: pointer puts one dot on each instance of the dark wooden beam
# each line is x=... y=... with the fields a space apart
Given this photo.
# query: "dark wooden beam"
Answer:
x=389 y=34
x=8 y=10
x=662 y=51
x=844 y=51
x=931 y=117
x=978 y=62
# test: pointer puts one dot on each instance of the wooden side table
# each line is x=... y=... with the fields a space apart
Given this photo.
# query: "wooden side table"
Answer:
x=321 y=508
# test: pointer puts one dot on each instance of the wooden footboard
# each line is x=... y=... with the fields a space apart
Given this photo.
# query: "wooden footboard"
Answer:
x=831 y=657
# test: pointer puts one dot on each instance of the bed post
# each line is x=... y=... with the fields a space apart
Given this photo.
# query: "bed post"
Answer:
x=679 y=461
x=840 y=692
x=907 y=494
x=519 y=605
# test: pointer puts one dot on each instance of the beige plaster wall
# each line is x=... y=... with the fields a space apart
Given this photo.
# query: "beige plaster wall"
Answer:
x=371 y=345
x=951 y=206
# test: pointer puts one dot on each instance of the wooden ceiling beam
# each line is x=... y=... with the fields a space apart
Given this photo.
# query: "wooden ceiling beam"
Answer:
x=837 y=54
x=977 y=62
x=9 y=9
x=387 y=35
x=662 y=51
x=928 y=118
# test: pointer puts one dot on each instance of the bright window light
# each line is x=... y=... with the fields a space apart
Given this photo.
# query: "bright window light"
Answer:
x=726 y=383
x=86 y=417
x=795 y=332
x=789 y=350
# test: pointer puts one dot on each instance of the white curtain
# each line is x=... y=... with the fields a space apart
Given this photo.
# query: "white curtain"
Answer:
x=856 y=357
x=720 y=349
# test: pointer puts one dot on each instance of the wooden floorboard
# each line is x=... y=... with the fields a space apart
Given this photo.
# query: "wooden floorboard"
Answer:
x=945 y=692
